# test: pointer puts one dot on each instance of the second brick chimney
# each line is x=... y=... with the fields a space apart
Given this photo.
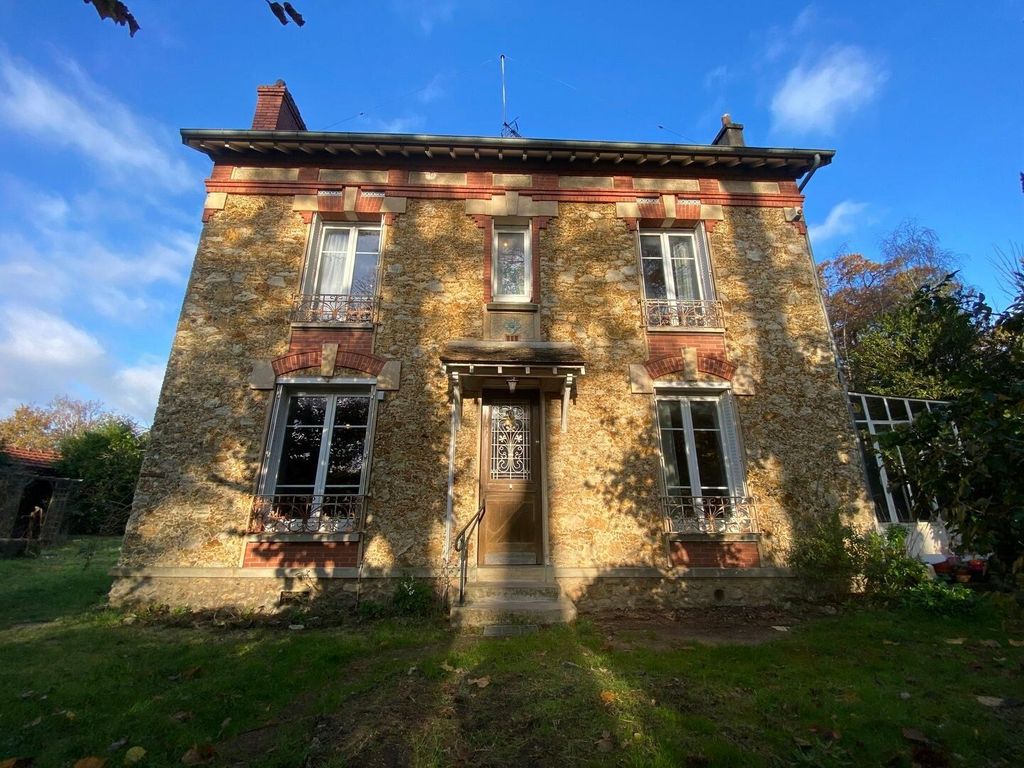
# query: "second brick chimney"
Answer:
x=276 y=110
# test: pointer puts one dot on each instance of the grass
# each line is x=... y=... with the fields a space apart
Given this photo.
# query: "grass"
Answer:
x=79 y=680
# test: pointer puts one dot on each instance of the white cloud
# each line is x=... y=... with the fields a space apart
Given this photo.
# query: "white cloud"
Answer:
x=814 y=97
x=716 y=78
x=34 y=337
x=841 y=219
x=137 y=388
x=78 y=115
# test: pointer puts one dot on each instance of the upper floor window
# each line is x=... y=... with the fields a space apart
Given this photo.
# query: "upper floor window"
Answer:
x=340 y=282
x=677 y=280
x=511 y=271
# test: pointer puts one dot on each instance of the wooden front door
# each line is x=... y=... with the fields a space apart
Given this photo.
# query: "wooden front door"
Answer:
x=510 y=531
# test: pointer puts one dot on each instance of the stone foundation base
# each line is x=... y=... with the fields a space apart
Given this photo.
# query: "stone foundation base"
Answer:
x=269 y=589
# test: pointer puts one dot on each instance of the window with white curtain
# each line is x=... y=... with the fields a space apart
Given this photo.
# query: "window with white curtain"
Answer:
x=344 y=261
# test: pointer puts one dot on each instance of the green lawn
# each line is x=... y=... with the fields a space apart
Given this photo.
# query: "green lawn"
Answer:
x=78 y=680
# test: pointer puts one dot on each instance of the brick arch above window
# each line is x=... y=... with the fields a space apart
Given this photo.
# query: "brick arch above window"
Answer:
x=709 y=364
x=297 y=361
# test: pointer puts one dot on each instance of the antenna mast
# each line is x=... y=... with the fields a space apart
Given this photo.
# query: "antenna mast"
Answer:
x=507 y=129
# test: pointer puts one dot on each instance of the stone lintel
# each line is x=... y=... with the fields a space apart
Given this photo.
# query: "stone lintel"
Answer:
x=305 y=203
x=524 y=180
x=586 y=182
x=262 y=376
x=640 y=381
x=736 y=186
x=353 y=177
x=328 y=356
x=437 y=178
x=512 y=204
x=216 y=200
x=390 y=377
x=668 y=185
x=242 y=173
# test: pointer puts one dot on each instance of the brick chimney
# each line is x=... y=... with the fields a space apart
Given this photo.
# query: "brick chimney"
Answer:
x=276 y=110
x=731 y=134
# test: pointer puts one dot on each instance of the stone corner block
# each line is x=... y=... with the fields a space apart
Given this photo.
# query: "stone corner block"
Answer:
x=390 y=377
x=640 y=381
x=262 y=375
x=742 y=382
x=713 y=212
x=216 y=200
x=305 y=203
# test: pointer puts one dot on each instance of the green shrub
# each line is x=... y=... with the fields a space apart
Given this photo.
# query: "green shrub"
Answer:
x=938 y=597
x=883 y=561
x=823 y=553
x=414 y=598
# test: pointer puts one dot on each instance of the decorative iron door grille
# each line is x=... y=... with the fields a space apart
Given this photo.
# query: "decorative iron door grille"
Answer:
x=510 y=441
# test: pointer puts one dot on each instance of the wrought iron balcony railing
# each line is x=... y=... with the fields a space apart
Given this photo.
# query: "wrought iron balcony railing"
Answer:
x=333 y=308
x=710 y=514
x=307 y=513
x=682 y=313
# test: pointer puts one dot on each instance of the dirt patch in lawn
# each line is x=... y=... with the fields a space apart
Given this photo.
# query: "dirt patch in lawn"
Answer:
x=703 y=626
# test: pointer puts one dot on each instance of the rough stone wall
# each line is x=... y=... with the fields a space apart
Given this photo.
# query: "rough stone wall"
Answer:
x=603 y=472
x=431 y=293
x=192 y=503
x=801 y=452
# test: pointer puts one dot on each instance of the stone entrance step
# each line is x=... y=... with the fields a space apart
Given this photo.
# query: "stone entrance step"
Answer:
x=512 y=603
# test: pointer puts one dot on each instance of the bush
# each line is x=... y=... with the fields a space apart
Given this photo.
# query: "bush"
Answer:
x=884 y=563
x=823 y=553
x=937 y=597
x=414 y=598
x=829 y=553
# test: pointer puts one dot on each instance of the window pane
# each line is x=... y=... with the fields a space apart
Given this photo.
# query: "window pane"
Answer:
x=684 y=272
x=650 y=246
x=364 y=275
x=670 y=414
x=710 y=463
x=336 y=241
x=368 y=241
x=680 y=247
x=677 y=473
x=300 y=454
x=898 y=409
x=510 y=263
x=876 y=409
x=352 y=411
x=307 y=411
x=858 y=407
x=345 y=465
x=704 y=414
x=654 y=279
x=917 y=406
x=333 y=273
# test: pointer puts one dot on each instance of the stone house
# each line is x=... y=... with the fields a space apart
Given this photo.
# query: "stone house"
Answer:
x=606 y=365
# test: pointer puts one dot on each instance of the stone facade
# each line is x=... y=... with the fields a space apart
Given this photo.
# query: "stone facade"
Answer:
x=606 y=538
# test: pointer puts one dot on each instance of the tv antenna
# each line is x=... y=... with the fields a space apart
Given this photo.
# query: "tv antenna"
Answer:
x=507 y=129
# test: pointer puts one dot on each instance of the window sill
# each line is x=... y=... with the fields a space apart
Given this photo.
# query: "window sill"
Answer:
x=713 y=536
x=684 y=329
x=330 y=324
x=512 y=306
x=302 y=537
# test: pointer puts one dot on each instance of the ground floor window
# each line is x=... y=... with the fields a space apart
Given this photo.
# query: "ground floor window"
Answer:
x=316 y=472
x=704 y=483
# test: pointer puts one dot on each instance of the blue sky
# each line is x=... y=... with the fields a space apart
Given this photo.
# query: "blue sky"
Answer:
x=100 y=203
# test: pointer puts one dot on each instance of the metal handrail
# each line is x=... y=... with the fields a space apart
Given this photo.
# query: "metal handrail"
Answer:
x=461 y=541
x=710 y=514
x=683 y=313
x=307 y=513
x=334 y=308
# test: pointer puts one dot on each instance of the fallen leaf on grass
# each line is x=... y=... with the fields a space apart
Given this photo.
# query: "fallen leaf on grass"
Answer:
x=91 y=762
x=181 y=716
x=1016 y=643
x=955 y=640
x=479 y=682
x=990 y=701
x=889 y=642
x=780 y=628
x=23 y=695
x=605 y=743
x=17 y=762
x=928 y=756
x=990 y=643
x=448 y=667
x=34 y=723
x=904 y=695
x=200 y=754
x=116 y=745
x=134 y=756
x=188 y=674
x=912 y=734
x=608 y=697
